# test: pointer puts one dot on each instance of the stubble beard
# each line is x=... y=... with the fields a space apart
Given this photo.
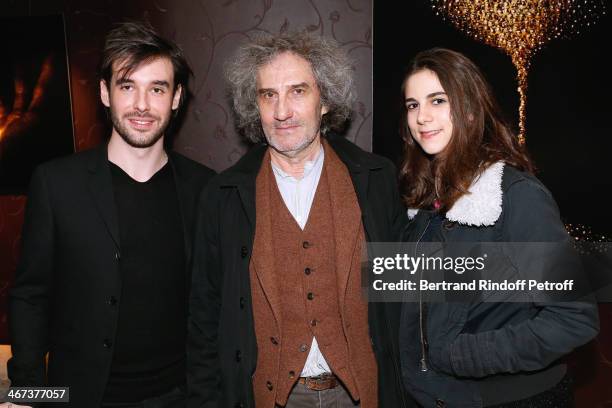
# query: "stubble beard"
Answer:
x=297 y=147
x=135 y=138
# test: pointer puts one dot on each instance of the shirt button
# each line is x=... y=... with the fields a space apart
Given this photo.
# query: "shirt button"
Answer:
x=117 y=256
x=303 y=348
x=313 y=322
x=238 y=355
x=306 y=244
x=307 y=271
x=244 y=251
x=273 y=340
x=291 y=374
x=440 y=403
x=310 y=295
x=269 y=385
x=112 y=301
x=241 y=302
x=107 y=343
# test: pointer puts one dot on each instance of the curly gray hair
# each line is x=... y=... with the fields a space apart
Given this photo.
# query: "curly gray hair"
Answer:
x=330 y=65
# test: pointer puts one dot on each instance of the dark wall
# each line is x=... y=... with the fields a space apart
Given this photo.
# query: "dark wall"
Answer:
x=208 y=32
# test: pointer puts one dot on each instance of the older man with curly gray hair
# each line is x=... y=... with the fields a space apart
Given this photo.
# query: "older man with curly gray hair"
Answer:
x=330 y=66
x=276 y=315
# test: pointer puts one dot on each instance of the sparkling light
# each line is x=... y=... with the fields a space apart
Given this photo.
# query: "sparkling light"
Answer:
x=586 y=241
x=520 y=28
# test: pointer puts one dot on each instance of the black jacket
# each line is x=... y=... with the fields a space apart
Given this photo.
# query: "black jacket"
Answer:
x=222 y=349
x=488 y=353
x=67 y=288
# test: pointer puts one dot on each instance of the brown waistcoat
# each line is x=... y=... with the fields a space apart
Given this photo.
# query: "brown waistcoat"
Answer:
x=307 y=283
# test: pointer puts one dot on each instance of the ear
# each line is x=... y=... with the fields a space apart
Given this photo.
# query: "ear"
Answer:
x=324 y=110
x=104 y=95
x=176 y=99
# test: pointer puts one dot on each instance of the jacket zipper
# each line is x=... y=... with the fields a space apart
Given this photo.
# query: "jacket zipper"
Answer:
x=398 y=373
x=394 y=358
x=422 y=309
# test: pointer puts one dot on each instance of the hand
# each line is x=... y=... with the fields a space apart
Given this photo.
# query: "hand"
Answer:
x=11 y=405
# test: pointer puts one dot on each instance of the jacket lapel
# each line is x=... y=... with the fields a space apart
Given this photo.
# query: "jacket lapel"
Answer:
x=361 y=180
x=242 y=177
x=186 y=200
x=263 y=260
x=246 y=192
x=359 y=167
x=346 y=216
x=101 y=187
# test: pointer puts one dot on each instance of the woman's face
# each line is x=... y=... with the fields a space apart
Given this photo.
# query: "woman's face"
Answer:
x=428 y=111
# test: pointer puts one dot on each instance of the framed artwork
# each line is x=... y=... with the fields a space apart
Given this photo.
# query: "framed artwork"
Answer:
x=35 y=103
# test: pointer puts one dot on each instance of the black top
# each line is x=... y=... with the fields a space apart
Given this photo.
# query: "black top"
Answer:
x=149 y=349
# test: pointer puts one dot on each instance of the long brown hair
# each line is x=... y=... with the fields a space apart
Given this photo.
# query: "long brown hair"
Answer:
x=480 y=135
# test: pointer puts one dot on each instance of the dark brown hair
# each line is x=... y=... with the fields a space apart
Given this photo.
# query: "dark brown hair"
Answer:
x=480 y=135
x=133 y=43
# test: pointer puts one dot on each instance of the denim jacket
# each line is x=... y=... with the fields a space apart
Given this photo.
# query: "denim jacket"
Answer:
x=484 y=353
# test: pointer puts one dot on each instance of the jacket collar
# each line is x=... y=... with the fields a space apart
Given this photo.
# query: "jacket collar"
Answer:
x=244 y=173
x=352 y=156
x=101 y=188
x=482 y=206
x=246 y=169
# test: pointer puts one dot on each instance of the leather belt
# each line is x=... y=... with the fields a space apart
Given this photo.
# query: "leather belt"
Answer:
x=321 y=382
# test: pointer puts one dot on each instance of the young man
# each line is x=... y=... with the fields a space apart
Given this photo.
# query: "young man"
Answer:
x=103 y=281
x=277 y=315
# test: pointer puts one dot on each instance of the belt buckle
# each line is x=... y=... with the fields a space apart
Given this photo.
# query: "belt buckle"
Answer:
x=321 y=382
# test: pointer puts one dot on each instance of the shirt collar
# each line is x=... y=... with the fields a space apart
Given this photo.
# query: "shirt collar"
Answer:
x=309 y=166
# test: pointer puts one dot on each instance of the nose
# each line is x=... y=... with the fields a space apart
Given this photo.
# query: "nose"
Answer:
x=423 y=115
x=282 y=109
x=141 y=101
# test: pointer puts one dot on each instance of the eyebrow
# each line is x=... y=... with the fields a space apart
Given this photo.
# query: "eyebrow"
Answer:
x=162 y=83
x=122 y=81
x=300 y=85
x=431 y=95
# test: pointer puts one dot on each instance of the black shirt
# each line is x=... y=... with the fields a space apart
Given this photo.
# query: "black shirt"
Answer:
x=149 y=348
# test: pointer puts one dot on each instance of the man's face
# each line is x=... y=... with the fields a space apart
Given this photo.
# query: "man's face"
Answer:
x=142 y=103
x=289 y=104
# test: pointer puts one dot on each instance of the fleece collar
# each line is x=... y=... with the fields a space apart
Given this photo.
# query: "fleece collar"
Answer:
x=482 y=206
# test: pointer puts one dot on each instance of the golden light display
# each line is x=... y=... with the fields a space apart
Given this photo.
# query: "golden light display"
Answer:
x=520 y=28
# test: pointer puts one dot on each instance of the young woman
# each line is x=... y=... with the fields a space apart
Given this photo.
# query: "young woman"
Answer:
x=466 y=179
